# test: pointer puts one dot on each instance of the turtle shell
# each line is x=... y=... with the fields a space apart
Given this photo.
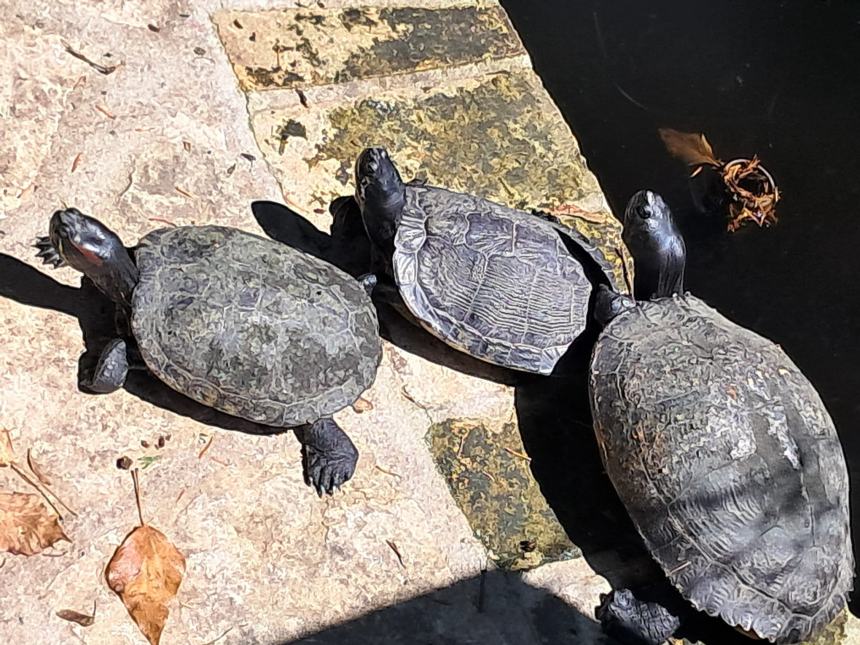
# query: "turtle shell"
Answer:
x=497 y=283
x=251 y=327
x=728 y=464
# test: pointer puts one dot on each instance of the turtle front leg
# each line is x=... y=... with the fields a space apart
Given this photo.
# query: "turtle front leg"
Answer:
x=635 y=622
x=328 y=455
x=111 y=370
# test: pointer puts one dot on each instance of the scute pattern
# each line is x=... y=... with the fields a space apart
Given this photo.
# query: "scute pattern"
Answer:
x=492 y=281
x=251 y=327
x=729 y=465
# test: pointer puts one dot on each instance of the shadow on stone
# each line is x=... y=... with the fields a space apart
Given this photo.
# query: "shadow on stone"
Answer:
x=95 y=313
x=508 y=612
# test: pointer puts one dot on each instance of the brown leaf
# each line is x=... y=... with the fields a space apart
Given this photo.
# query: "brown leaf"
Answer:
x=77 y=617
x=690 y=147
x=26 y=526
x=7 y=453
x=362 y=405
x=145 y=572
x=37 y=469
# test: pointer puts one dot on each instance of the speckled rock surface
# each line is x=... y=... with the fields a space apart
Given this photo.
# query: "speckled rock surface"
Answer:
x=178 y=132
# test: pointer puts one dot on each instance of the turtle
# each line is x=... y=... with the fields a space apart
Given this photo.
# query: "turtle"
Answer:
x=242 y=324
x=722 y=452
x=494 y=282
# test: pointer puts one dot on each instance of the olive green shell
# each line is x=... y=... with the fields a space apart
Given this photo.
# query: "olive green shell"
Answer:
x=728 y=463
x=494 y=282
x=252 y=327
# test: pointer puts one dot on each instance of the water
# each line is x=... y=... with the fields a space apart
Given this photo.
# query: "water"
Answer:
x=779 y=79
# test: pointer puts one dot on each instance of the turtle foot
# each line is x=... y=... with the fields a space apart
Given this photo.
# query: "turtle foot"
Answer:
x=635 y=622
x=48 y=252
x=111 y=370
x=328 y=456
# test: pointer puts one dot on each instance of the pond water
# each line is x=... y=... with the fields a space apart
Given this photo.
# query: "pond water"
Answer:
x=777 y=79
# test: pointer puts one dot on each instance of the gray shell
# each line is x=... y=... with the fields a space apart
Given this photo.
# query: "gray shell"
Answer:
x=729 y=465
x=494 y=282
x=252 y=327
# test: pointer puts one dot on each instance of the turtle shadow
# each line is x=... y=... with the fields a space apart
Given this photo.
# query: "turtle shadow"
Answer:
x=347 y=247
x=555 y=422
x=95 y=313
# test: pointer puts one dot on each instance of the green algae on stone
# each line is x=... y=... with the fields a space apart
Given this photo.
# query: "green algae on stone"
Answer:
x=499 y=137
x=296 y=48
x=489 y=477
x=429 y=39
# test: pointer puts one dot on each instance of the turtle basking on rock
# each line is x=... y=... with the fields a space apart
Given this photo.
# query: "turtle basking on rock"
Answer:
x=497 y=283
x=722 y=452
x=236 y=322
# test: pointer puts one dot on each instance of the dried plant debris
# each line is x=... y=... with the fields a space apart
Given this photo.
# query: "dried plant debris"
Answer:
x=145 y=572
x=26 y=526
x=84 y=620
x=750 y=191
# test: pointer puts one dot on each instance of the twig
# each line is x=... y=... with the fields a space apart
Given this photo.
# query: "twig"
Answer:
x=517 y=454
x=45 y=485
x=206 y=447
x=105 y=111
x=183 y=192
x=394 y=548
x=219 y=638
x=24 y=476
x=137 y=496
x=387 y=472
x=96 y=66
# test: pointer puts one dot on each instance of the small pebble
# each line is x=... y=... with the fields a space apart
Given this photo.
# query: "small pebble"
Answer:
x=123 y=463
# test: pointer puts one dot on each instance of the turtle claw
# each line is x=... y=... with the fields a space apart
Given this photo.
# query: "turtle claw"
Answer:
x=48 y=252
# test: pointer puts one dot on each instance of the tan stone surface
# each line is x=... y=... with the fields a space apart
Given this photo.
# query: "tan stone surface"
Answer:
x=161 y=139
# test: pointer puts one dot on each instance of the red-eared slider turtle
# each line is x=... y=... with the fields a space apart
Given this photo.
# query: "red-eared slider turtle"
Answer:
x=494 y=282
x=236 y=322
x=723 y=454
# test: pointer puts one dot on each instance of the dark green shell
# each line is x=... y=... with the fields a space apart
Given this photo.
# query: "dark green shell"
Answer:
x=252 y=327
x=728 y=463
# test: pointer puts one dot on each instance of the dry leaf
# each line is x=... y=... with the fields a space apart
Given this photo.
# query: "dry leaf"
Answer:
x=7 y=453
x=145 y=572
x=362 y=405
x=26 y=526
x=753 y=193
x=37 y=469
x=690 y=147
x=77 y=617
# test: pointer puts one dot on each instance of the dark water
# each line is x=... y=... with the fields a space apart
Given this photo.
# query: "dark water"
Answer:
x=781 y=79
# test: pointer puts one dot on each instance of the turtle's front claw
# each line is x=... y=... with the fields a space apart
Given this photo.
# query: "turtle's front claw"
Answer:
x=47 y=252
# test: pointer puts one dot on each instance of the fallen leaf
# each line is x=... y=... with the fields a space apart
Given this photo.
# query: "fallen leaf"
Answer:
x=37 y=469
x=145 y=572
x=26 y=526
x=77 y=617
x=690 y=147
x=7 y=453
x=362 y=405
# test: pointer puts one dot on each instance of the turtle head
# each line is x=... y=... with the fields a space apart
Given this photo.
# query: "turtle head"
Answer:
x=85 y=244
x=81 y=241
x=376 y=177
x=381 y=194
x=656 y=244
